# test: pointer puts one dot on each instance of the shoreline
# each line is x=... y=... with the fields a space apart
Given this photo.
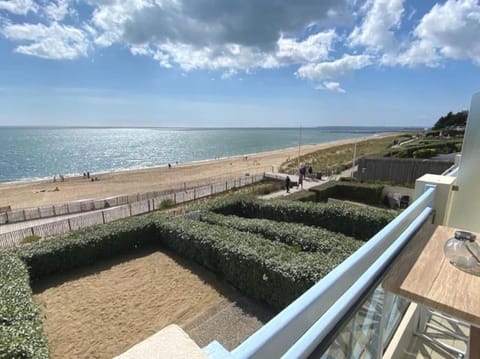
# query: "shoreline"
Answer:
x=70 y=176
x=25 y=194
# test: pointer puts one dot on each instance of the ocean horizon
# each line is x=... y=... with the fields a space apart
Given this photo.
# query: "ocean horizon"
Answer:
x=37 y=153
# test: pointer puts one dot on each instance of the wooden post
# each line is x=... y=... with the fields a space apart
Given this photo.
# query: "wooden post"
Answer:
x=69 y=224
x=474 y=342
x=103 y=217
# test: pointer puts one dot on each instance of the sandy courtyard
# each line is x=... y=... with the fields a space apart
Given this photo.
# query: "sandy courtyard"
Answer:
x=103 y=310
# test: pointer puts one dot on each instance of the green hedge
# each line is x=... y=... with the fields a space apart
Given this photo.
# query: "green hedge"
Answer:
x=325 y=191
x=21 y=332
x=308 y=239
x=302 y=196
x=354 y=221
x=87 y=246
x=439 y=146
x=350 y=191
x=263 y=269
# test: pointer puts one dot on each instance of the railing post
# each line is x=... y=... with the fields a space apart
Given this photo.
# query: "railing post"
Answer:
x=386 y=310
x=443 y=191
x=427 y=187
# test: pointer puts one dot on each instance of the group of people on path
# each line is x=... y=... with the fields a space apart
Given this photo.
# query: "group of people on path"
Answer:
x=302 y=173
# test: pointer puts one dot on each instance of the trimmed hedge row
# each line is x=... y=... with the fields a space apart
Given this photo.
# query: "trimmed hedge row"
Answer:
x=21 y=332
x=360 y=223
x=308 y=239
x=302 y=196
x=352 y=191
x=263 y=269
x=87 y=246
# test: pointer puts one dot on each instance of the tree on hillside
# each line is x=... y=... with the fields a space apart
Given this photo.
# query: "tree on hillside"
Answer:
x=451 y=119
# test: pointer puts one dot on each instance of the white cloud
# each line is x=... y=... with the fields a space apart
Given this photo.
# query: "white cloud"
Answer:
x=110 y=18
x=217 y=35
x=331 y=86
x=332 y=69
x=228 y=74
x=229 y=56
x=377 y=30
x=316 y=47
x=18 y=7
x=450 y=30
x=50 y=42
x=57 y=10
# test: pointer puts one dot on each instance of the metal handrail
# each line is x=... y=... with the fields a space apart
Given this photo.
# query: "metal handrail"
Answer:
x=451 y=171
x=300 y=320
x=319 y=331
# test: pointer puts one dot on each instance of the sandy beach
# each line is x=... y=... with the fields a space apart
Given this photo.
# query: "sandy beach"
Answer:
x=39 y=193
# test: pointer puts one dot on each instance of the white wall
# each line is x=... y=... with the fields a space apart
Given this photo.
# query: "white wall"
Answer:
x=465 y=207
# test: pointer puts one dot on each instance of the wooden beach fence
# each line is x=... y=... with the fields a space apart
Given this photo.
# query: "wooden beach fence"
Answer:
x=11 y=239
x=115 y=213
x=184 y=195
x=86 y=220
x=121 y=208
x=3 y=218
x=51 y=229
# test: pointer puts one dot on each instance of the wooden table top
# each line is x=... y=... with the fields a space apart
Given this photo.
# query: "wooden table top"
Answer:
x=422 y=274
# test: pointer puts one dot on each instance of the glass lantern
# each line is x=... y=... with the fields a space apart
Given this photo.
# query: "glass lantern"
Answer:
x=463 y=252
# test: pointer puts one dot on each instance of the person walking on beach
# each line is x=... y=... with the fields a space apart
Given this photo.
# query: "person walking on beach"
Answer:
x=287 y=184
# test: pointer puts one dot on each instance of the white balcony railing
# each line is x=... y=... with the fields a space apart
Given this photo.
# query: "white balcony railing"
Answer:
x=348 y=297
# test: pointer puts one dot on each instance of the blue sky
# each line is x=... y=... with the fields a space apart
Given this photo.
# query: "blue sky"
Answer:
x=249 y=63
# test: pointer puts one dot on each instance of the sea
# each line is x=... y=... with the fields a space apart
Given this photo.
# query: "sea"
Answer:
x=35 y=153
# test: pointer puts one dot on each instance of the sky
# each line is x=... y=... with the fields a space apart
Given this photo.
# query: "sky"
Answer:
x=244 y=63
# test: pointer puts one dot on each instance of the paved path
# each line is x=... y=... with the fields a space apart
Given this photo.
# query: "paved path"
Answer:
x=307 y=183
